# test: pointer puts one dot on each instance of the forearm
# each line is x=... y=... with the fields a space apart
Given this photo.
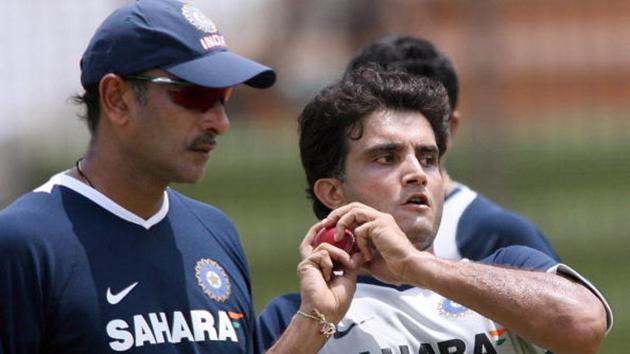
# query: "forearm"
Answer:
x=302 y=336
x=531 y=304
x=324 y=298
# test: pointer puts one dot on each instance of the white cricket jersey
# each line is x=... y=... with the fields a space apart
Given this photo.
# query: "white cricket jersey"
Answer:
x=445 y=244
x=383 y=319
x=386 y=319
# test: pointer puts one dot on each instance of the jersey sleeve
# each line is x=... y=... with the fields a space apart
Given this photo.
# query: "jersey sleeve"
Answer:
x=21 y=296
x=274 y=319
x=530 y=259
x=568 y=272
x=521 y=257
x=485 y=227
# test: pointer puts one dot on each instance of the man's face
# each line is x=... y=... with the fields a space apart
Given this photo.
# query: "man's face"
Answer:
x=394 y=168
x=170 y=142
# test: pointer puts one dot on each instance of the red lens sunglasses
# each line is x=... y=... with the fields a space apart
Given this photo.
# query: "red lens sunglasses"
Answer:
x=189 y=95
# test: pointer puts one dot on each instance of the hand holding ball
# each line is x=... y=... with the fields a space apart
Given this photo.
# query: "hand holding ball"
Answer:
x=327 y=235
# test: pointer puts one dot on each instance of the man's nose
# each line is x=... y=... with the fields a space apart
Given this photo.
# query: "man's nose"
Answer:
x=216 y=119
x=414 y=172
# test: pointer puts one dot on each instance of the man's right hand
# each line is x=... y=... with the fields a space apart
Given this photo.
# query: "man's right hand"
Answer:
x=320 y=288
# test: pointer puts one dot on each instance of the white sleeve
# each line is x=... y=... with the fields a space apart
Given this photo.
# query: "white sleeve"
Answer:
x=563 y=269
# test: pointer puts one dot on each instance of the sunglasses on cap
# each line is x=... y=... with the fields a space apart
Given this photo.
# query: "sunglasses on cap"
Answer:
x=189 y=95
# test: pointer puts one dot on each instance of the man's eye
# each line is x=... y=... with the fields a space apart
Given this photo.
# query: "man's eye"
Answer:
x=385 y=159
x=428 y=161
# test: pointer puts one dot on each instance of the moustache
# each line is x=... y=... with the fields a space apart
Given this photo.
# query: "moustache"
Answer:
x=203 y=140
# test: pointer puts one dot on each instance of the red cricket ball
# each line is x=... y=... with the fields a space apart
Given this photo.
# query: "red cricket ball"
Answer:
x=327 y=235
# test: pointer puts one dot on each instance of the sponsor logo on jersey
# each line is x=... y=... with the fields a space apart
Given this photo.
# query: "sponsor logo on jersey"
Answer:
x=213 y=280
x=115 y=298
x=451 y=309
x=176 y=327
x=346 y=326
x=481 y=345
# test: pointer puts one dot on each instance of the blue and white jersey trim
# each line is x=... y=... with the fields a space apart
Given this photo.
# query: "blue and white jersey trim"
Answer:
x=63 y=179
x=445 y=244
x=571 y=273
x=474 y=227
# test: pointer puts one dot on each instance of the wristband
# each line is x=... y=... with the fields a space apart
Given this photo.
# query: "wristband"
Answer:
x=328 y=328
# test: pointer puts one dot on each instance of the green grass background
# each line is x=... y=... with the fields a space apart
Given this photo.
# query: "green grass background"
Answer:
x=571 y=180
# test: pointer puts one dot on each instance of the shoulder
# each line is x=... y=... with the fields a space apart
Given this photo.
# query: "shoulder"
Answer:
x=189 y=214
x=205 y=213
x=281 y=308
x=521 y=257
x=31 y=204
x=33 y=218
x=37 y=240
x=485 y=226
x=193 y=204
x=487 y=214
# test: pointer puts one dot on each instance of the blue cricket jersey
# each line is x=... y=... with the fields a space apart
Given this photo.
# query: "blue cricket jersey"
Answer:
x=80 y=274
x=473 y=227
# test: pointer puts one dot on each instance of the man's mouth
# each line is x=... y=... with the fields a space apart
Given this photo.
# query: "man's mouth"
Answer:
x=204 y=143
x=203 y=148
x=418 y=199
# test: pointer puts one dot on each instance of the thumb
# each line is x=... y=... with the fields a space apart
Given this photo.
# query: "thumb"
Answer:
x=350 y=273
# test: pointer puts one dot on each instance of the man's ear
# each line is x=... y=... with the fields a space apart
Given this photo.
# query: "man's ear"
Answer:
x=329 y=191
x=453 y=125
x=114 y=96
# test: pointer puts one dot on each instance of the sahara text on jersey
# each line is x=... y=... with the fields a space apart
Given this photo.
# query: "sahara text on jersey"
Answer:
x=157 y=328
x=482 y=344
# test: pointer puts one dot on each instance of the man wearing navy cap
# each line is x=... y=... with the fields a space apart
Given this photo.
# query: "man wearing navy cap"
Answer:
x=104 y=257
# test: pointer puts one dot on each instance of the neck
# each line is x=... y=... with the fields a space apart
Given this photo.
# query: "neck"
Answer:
x=449 y=184
x=123 y=184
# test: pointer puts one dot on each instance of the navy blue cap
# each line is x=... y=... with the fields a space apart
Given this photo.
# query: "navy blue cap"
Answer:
x=170 y=35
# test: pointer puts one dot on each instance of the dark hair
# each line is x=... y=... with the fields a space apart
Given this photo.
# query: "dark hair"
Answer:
x=337 y=112
x=416 y=56
x=90 y=98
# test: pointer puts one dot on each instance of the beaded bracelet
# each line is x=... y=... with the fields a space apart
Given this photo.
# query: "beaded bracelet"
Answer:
x=328 y=328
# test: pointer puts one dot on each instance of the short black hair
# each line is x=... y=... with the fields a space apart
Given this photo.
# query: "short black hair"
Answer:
x=337 y=113
x=414 y=55
x=91 y=99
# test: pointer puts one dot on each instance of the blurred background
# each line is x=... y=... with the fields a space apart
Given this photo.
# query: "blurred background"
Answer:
x=545 y=98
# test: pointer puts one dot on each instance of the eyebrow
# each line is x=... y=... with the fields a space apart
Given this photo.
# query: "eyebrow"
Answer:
x=391 y=147
x=424 y=149
x=385 y=147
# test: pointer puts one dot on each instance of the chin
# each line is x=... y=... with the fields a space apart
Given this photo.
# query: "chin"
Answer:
x=420 y=234
x=422 y=242
x=190 y=177
x=196 y=179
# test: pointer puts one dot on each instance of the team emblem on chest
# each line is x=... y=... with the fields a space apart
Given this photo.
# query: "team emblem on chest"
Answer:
x=213 y=280
x=451 y=309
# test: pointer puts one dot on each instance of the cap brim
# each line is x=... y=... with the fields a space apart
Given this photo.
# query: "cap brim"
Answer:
x=224 y=69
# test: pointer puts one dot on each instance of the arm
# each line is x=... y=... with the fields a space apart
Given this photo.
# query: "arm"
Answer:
x=21 y=299
x=531 y=304
x=320 y=291
x=507 y=296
